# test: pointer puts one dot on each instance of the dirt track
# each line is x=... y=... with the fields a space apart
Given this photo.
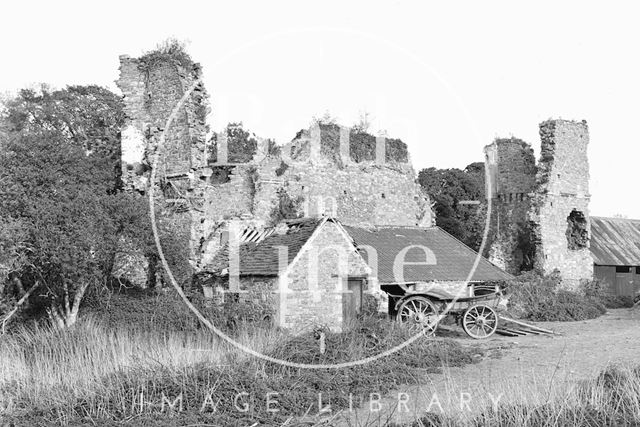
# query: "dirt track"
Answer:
x=522 y=369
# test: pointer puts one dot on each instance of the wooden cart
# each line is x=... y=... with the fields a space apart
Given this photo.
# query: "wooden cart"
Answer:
x=424 y=309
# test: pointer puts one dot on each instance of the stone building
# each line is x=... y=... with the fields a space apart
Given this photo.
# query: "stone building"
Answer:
x=540 y=217
x=317 y=273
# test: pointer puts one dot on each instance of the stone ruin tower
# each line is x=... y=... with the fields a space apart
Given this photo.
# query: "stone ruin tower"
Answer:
x=153 y=86
x=511 y=166
x=540 y=217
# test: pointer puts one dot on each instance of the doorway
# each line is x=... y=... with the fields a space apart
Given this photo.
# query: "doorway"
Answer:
x=352 y=299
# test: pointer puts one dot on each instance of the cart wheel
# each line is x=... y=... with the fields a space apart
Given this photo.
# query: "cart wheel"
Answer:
x=480 y=321
x=419 y=313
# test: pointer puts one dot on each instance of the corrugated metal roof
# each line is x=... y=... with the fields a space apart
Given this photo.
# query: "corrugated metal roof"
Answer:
x=453 y=259
x=615 y=241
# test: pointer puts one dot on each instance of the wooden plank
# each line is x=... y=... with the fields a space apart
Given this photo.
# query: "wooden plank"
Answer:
x=505 y=332
x=516 y=331
x=517 y=322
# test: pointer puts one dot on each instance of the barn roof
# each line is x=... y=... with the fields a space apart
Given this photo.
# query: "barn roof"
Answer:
x=262 y=258
x=453 y=259
x=615 y=241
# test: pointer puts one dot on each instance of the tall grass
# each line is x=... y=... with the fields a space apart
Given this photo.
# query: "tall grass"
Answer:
x=92 y=374
x=611 y=398
x=118 y=375
x=43 y=367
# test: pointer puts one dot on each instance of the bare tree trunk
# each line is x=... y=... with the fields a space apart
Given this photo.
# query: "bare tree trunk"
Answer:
x=68 y=317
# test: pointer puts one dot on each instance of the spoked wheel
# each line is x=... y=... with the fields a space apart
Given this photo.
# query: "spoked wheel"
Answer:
x=419 y=313
x=480 y=321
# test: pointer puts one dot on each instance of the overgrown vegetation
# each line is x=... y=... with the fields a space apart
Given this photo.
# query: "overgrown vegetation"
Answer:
x=447 y=188
x=149 y=311
x=99 y=374
x=242 y=145
x=170 y=50
x=539 y=298
x=600 y=291
x=612 y=398
x=286 y=207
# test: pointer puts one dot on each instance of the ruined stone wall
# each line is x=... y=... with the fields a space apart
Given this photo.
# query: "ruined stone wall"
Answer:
x=512 y=170
x=320 y=181
x=361 y=183
x=563 y=187
x=329 y=181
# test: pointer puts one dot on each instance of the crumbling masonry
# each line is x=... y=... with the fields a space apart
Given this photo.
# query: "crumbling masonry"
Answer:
x=204 y=186
x=540 y=217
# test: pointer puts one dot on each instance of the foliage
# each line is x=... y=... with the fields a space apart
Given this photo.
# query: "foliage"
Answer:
x=286 y=207
x=362 y=147
x=447 y=188
x=172 y=50
x=242 y=145
x=58 y=167
x=539 y=298
x=90 y=117
x=13 y=247
x=148 y=310
x=599 y=290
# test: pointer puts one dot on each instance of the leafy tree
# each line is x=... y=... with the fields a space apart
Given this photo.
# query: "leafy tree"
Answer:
x=59 y=157
x=452 y=190
x=90 y=117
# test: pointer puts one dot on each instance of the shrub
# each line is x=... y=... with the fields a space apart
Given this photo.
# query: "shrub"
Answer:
x=150 y=311
x=600 y=291
x=618 y=301
x=539 y=298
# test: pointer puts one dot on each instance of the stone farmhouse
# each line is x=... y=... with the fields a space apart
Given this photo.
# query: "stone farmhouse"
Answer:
x=317 y=272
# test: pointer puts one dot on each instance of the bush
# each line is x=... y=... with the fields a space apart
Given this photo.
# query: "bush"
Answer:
x=148 y=310
x=539 y=298
x=600 y=290
x=618 y=301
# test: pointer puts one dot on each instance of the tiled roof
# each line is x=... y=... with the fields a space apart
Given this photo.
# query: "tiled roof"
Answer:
x=453 y=259
x=615 y=241
x=262 y=259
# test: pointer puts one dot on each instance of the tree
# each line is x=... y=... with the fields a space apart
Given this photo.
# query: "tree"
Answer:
x=62 y=197
x=459 y=199
x=89 y=117
x=59 y=163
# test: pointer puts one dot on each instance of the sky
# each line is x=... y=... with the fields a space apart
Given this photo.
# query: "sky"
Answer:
x=445 y=77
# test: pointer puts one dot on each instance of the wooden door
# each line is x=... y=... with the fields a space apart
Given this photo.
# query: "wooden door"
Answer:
x=352 y=300
x=624 y=284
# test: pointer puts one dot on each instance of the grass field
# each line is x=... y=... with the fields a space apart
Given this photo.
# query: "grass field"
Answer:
x=92 y=375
